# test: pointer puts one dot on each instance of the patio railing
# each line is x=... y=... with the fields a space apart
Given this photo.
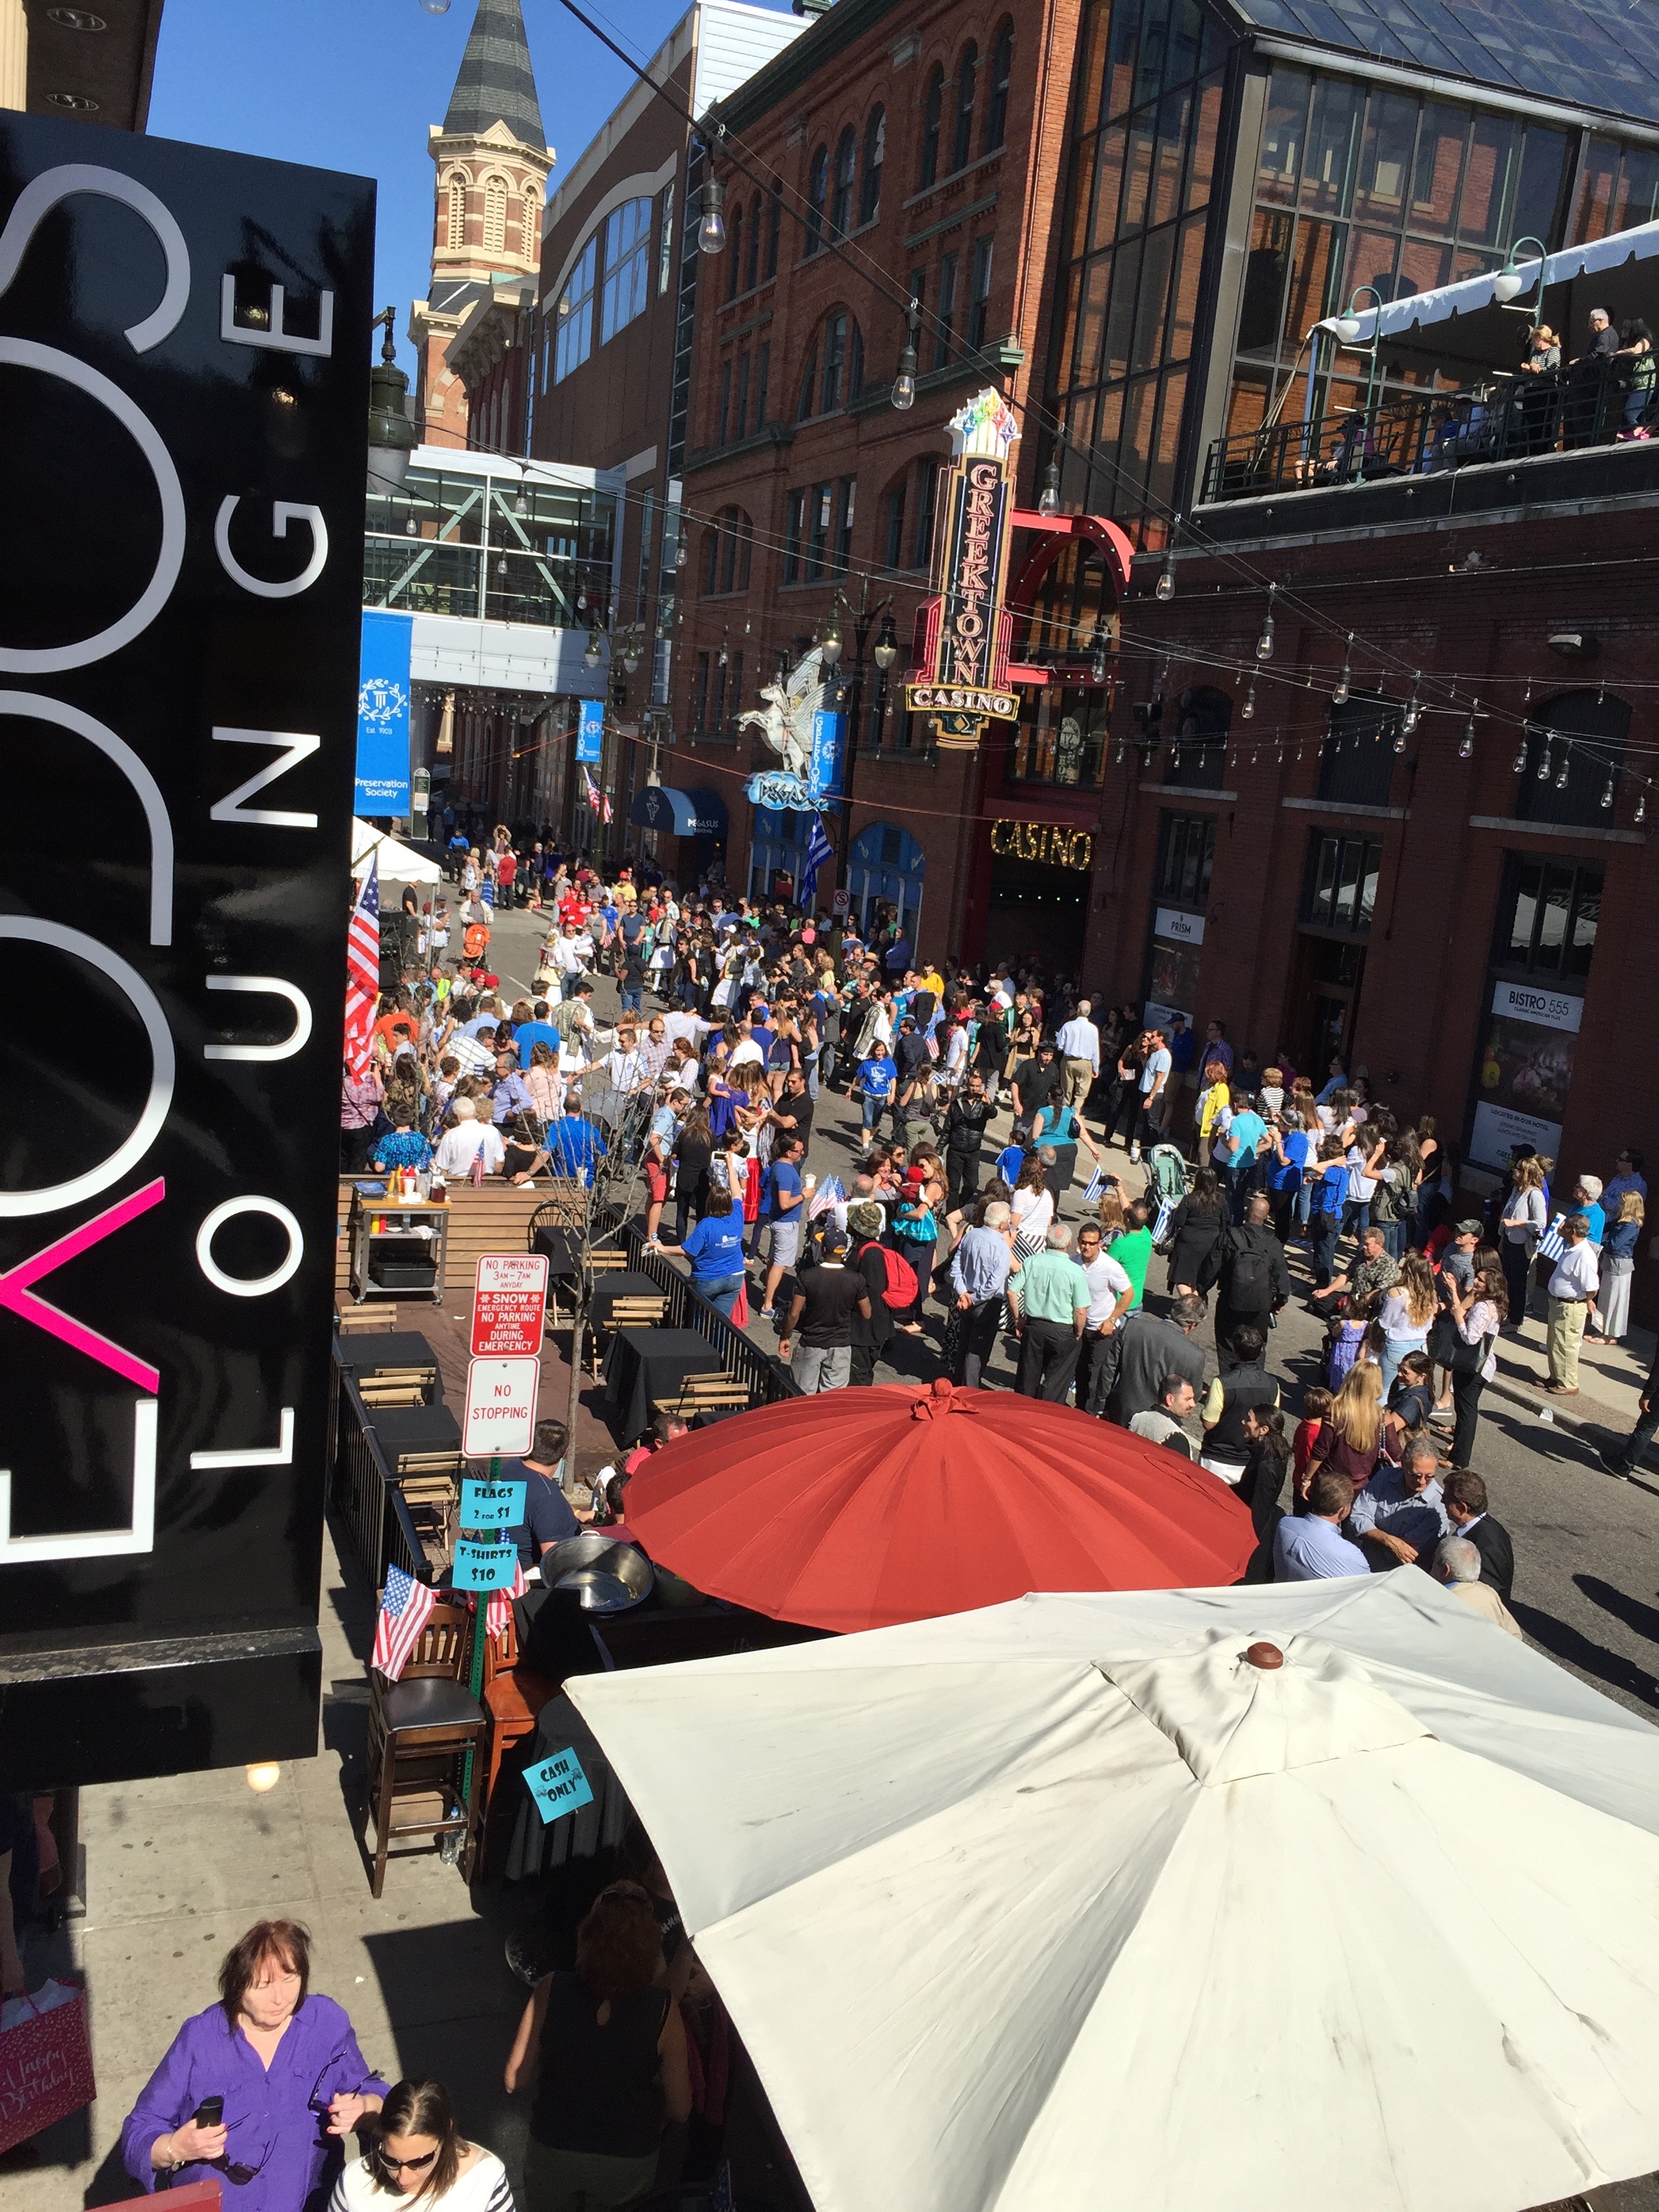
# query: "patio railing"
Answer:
x=766 y=1378
x=1419 y=434
x=367 y=1495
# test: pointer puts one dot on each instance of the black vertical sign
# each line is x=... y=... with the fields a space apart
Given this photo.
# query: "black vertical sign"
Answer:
x=183 y=358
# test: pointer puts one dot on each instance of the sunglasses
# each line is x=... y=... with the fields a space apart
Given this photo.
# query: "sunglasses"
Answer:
x=405 y=2165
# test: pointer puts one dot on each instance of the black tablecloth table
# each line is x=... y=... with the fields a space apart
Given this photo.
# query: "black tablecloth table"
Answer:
x=646 y=1364
x=399 y=1429
x=563 y=1249
x=368 y=1353
x=613 y=1282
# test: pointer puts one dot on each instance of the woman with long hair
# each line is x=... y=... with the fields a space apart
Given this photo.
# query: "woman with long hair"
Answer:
x=1033 y=1207
x=421 y=2154
x=1350 y=1437
x=1195 y=1228
x=1520 y=1226
x=1611 y=1305
x=1477 y=1317
x=1407 y=1311
x=605 y=2048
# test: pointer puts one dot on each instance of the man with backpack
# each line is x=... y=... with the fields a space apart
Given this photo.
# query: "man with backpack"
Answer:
x=1246 y=1265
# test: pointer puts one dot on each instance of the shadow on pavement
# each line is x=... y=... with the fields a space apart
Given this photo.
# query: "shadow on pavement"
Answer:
x=1593 y=1659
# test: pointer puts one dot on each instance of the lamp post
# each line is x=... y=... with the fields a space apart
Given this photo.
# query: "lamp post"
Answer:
x=391 y=432
x=1507 y=285
x=851 y=688
x=1347 y=329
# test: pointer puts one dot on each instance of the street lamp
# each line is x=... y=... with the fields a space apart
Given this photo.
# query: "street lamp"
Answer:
x=591 y=656
x=711 y=230
x=1347 y=328
x=1508 y=283
x=830 y=641
x=885 y=653
x=391 y=432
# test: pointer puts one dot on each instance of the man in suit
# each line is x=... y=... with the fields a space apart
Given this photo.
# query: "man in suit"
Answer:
x=1463 y=1496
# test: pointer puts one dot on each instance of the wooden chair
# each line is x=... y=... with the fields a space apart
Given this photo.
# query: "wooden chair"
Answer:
x=513 y=1698
x=353 y=1320
x=642 y=1312
x=702 y=1393
x=380 y=1390
x=420 y=1730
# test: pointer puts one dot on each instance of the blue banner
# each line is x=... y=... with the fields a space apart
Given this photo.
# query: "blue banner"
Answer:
x=383 y=713
x=828 y=749
x=590 y=731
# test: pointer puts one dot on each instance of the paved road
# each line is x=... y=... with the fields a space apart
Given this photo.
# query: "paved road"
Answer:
x=1587 y=1547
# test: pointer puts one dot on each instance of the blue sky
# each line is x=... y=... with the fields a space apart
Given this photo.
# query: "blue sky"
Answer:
x=352 y=84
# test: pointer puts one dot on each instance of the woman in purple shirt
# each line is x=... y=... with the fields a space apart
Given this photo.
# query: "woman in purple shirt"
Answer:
x=285 y=2068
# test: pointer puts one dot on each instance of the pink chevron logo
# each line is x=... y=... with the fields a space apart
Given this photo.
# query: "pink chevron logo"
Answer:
x=17 y=1296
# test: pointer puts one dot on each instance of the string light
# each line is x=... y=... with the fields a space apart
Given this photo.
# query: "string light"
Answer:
x=1566 y=764
x=1465 y=744
x=1264 y=644
x=1413 y=713
x=1340 y=696
x=1606 y=791
x=1248 y=708
x=1165 y=586
x=1544 y=758
x=1520 y=767
x=1641 y=814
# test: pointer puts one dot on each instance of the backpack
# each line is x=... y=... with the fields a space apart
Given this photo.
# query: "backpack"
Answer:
x=1250 y=1280
x=901 y=1287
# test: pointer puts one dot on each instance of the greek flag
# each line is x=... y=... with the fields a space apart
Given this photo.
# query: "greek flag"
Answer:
x=818 y=850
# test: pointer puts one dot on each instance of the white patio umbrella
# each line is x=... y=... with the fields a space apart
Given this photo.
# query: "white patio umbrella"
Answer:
x=1067 y=1903
x=398 y=863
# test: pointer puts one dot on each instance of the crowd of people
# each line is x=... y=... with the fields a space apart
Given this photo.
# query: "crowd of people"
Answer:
x=735 y=1016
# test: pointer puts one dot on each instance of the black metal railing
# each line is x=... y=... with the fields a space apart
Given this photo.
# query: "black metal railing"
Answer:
x=366 y=1494
x=766 y=1378
x=1424 y=433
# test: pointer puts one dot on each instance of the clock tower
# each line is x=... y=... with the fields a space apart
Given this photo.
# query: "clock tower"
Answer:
x=492 y=163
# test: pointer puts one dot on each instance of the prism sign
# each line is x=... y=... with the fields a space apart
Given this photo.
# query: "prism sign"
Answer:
x=500 y=1408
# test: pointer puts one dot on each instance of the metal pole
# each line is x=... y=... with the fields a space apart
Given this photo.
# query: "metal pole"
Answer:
x=481 y=1614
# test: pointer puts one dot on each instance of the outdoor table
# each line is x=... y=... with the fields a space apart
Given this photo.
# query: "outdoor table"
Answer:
x=563 y=1249
x=599 y=1825
x=370 y=1354
x=644 y=1365
x=616 y=1283
x=400 y=1429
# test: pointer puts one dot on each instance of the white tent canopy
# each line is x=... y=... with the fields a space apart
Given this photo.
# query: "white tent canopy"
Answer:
x=1065 y=1902
x=398 y=863
x=1419 y=310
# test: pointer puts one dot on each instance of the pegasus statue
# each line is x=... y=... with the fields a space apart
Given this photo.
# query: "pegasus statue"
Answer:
x=786 y=721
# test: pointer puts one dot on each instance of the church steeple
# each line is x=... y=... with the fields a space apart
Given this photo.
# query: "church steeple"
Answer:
x=497 y=84
x=492 y=160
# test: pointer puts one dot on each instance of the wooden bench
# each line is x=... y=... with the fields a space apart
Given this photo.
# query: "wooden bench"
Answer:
x=700 y=1394
x=490 y=1216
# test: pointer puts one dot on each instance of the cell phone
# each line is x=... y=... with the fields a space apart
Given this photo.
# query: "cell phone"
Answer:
x=209 y=2113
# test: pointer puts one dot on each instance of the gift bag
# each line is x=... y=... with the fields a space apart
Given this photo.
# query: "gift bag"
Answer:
x=740 y=1307
x=46 y=2062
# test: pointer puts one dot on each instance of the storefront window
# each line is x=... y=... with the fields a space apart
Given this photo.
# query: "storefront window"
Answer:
x=1341 y=888
x=1062 y=738
x=1542 y=951
x=1186 y=856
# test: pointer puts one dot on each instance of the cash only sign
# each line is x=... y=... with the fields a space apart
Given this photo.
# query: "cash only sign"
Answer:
x=963 y=682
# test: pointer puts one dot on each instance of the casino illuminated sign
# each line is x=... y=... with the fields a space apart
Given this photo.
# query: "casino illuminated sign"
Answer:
x=1057 y=843
x=963 y=681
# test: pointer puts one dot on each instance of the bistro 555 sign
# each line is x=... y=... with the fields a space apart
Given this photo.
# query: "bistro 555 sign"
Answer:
x=963 y=682
x=1056 y=843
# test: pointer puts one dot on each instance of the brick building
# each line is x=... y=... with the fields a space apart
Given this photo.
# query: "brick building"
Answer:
x=890 y=152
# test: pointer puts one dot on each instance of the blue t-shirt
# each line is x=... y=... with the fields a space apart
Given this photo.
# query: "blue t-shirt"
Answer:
x=1297 y=1145
x=530 y=1035
x=760 y=1035
x=576 y=1145
x=784 y=1176
x=876 y=1076
x=1181 y=1049
x=547 y=1517
x=1331 y=1192
x=714 y=1248
x=1244 y=1133
x=1010 y=1162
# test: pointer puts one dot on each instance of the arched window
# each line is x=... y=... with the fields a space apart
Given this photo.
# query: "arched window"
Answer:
x=494 y=215
x=736 y=550
x=1002 y=69
x=817 y=183
x=840 y=210
x=574 y=312
x=735 y=258
x=806 y=405
x=932 y=111
x=774 y=228
x=626 y=266
x=875 y=147
x=711 y=557
x=835 y=329
x=456 y=214
x=832 y=375
x=751 y=274
x=967 y=75
x=531 y=223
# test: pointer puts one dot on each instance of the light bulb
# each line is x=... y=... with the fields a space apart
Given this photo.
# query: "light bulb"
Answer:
x=1248 y=708
x=681 y=554
x=829 y=643
x=1606 y=791
x=1564 y=771
x=1049 y=502
x=1465 y=744
x=904 y=390
x=1264 y=644
x=1641 y=813
x=1399 y=740
x=1520 y=765
x=1122 y=752
x=1340 y=696
x=1165 y=587
x=711 y=231
x=1544 y=762
x=436 y=7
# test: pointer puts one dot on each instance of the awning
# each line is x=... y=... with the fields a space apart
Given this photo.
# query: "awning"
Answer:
x=398 y=863
x=712 y=816
x=1448 y=301
x=658 y=806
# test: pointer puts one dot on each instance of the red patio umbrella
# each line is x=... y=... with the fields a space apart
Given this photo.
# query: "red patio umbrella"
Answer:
x=856 y=1508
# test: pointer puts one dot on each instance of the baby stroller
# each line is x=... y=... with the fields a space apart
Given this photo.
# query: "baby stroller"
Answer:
x=1166 y=1185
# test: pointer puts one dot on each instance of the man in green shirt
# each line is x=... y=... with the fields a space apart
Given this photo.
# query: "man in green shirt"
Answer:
x=1048 y=1303
x=1133 y=1249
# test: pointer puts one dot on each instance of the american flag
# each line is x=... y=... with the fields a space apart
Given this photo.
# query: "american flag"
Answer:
x=828 y=1193
x=364 y=973
x=500 y=1609
x=404 y=1606
x=818 y=850
x=595 y=797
